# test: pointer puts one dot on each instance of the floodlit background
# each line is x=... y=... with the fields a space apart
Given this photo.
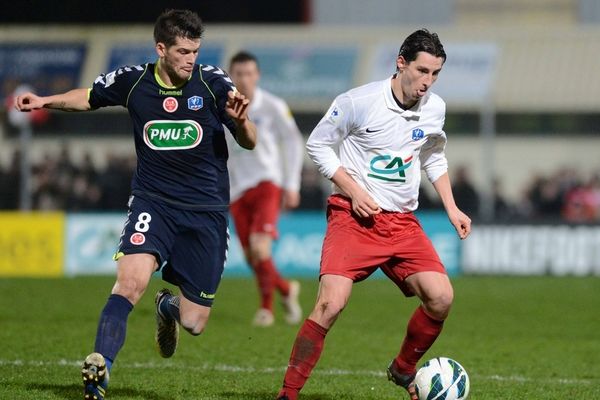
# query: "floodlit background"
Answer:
x=521 y=85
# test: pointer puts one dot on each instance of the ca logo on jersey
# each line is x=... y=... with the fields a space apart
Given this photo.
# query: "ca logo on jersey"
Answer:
x=172 y=135
x=390 y=169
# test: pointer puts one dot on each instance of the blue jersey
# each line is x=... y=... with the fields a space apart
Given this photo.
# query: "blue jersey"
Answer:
x=179 y=135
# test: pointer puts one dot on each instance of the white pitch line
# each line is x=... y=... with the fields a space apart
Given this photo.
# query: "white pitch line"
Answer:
x=252 y=370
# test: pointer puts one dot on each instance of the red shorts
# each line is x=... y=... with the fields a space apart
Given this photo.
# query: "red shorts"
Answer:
x=257 y=211
x=355 y=247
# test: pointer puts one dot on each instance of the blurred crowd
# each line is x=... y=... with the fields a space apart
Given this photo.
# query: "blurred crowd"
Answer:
x=565 y=195
x=58 y=183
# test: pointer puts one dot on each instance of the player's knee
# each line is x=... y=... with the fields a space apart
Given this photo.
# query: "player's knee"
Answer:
x=329 y=310
x=259 y=248
x=196 y=330
x=194 y=326
x=194 y=322
x=438 y=305
x=130 y=288
x=259 y=253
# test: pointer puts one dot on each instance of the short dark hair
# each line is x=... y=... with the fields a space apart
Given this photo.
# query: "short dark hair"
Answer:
x=421 y=40
x=172 y=24
x=242 y=57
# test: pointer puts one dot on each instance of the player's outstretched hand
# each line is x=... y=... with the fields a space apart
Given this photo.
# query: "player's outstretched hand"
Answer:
x=237 y=106
x=461 y=222
x=29 y=101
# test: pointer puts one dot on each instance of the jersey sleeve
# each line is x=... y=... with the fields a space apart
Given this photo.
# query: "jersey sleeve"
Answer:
x=221 y=85
x=433 y=157
x=113 y=88
x=324 y=140
x=291 y=144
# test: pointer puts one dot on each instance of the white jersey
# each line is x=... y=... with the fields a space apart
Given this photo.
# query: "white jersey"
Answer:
x=278 y=154
x=380 y=145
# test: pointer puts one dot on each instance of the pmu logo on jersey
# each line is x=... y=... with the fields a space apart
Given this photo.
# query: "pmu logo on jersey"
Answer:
x=170 y=104
x=390 y=169
x=195 y=103
x=172 y=135
x=418 y=134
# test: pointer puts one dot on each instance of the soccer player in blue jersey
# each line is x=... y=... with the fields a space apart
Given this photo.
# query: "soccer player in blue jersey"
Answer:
x=178 y=210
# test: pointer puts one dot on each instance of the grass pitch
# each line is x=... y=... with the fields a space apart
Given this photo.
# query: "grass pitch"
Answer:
x=518 y=338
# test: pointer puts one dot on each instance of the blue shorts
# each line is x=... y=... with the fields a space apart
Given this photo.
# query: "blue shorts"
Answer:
x=190 y=246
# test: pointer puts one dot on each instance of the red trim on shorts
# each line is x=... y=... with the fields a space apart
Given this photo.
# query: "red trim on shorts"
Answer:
x=257 y=211
x=356 y=247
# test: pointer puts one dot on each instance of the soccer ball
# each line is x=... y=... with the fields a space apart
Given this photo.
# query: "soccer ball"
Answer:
x=442 y=379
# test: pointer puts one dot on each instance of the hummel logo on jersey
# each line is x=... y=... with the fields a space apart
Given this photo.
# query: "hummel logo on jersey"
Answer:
x=195 y=103
x=394 y=168
x=418 y=134
x=170 y=92
x=369 y=130
x=209 y=296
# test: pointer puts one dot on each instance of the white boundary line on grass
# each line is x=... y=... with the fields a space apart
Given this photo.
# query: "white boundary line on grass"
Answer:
x=238 y=369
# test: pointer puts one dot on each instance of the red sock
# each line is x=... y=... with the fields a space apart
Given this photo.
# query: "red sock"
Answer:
x=305 y=354
x=264 y=271
x=421 y=332
x=281 y=284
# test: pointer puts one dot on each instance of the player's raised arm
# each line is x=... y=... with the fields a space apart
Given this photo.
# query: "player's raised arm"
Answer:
x=73 y=100
x=237 y=108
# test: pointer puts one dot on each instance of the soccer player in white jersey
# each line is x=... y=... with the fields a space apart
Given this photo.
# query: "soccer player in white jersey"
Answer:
x=373 y=143
x=262 y=182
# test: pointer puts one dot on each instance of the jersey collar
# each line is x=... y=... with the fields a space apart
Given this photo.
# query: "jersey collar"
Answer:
x=414 y=112
x=160 y=81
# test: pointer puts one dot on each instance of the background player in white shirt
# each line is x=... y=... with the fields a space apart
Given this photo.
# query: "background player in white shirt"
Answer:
x=373 y=143
x=262 y=182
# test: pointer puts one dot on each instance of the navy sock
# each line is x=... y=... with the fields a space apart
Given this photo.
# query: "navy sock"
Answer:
x=112 y=327
x=169 y=307
x=109 y=363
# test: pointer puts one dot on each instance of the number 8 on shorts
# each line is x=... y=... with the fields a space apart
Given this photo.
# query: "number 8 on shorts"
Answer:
x=141 y=226
x=143 y=222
